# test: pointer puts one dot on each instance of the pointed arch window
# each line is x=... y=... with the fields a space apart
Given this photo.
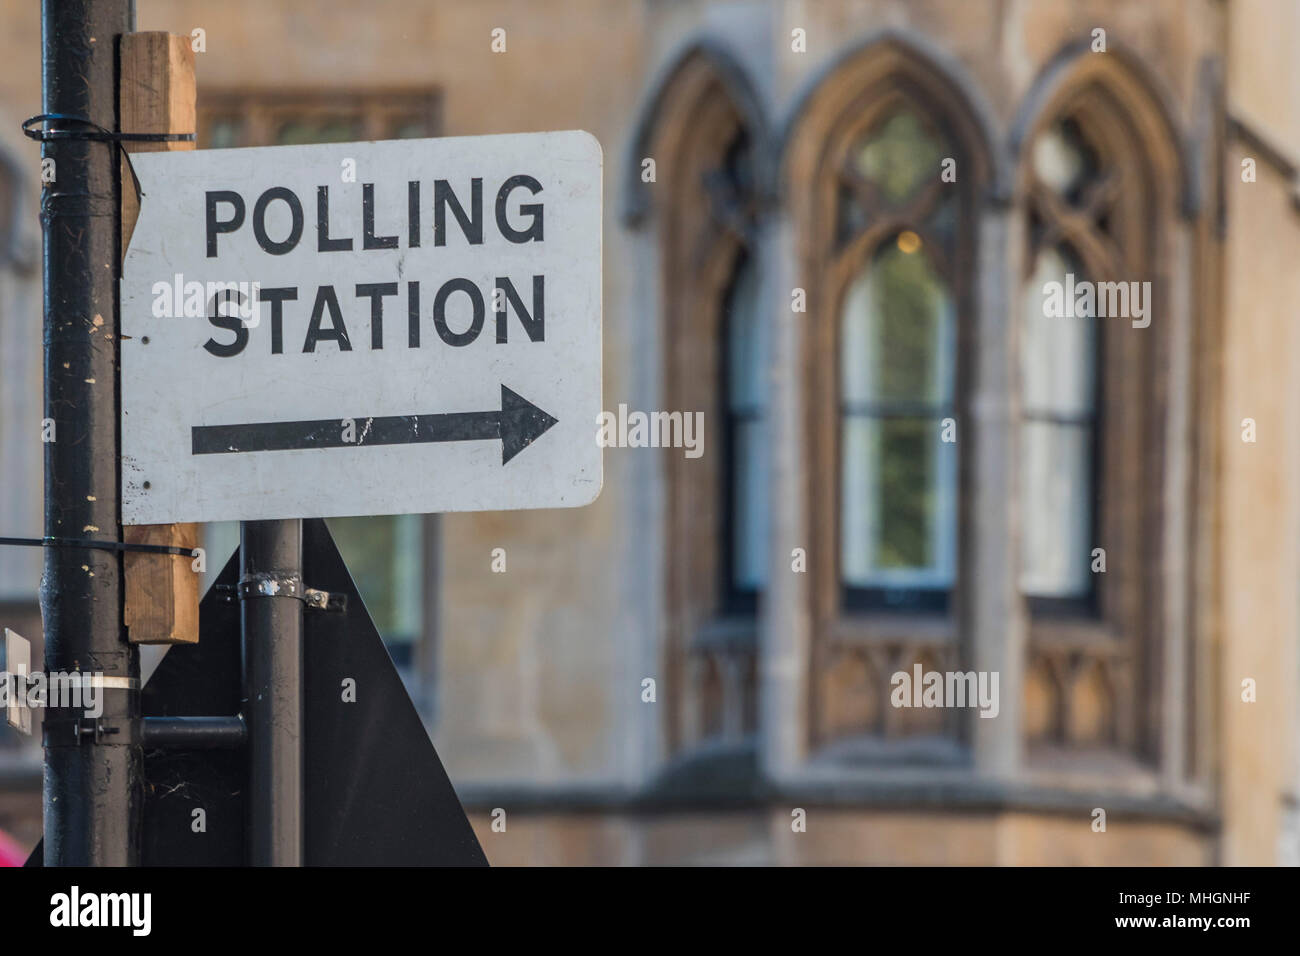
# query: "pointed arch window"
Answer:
x=715 y=361
x=891 y=159
x=897 y=369
x=1094 y=400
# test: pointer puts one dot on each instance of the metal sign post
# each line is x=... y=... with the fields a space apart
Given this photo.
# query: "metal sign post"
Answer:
x=271 y=595
x=93 y=782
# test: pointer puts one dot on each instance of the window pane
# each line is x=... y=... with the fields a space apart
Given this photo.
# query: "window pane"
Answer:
x=747 y=365
x=1063 y=160
x=1058 y=353
x=385 y=556
x=746 y=342
x=900 y=155
x=897 y=333
x=1058 y=359
x=897 y=476
x=750 y=503
x=323 y=129
x=410 y=128
x=943 y=220
x=224 y=132
x=898 y=510
x=1057 y=468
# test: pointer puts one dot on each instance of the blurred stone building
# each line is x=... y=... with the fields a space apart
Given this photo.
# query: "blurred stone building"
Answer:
x=829 y=225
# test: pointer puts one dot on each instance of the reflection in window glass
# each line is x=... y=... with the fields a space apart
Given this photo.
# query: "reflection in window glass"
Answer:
x=898 y=477
x=1058 y=357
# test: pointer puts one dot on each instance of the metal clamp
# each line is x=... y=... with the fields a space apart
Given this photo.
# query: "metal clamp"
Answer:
x=75 y=731
x=271 y=586
x=290 y=586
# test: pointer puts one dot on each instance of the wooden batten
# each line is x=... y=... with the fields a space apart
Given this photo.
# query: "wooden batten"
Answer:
x=157 y=95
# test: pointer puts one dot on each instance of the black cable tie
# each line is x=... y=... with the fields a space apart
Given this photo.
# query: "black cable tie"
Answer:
x=93 y=131
x=52 y=542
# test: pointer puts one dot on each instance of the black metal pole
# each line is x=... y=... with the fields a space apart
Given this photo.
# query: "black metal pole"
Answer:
x=194 y=733
x=93 y=781
x=271 y=604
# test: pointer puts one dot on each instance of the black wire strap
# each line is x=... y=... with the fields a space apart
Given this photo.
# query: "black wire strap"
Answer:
x=85 y=129
x=51 y=542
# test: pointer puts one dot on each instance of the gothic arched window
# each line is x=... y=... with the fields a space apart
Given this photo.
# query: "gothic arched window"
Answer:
x=897 y=371
x=703 y=139
x=886 y=167
x=1094 y=322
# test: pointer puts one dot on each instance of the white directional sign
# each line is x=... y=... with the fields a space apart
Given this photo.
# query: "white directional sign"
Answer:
x=363 y=328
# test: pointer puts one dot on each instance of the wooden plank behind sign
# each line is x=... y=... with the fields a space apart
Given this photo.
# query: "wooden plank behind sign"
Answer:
x=157 y=95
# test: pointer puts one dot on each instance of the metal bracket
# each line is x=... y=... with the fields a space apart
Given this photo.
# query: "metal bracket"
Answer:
x=325 y=601
x=271 y=586
x=79 y=730
x=291 y=586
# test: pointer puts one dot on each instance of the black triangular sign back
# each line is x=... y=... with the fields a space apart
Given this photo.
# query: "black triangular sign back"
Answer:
x=375 y=791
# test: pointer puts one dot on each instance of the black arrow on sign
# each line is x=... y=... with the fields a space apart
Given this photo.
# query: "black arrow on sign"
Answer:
x=518 y=425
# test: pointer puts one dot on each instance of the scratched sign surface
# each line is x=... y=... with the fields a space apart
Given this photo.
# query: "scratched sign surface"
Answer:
x=363 y=328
